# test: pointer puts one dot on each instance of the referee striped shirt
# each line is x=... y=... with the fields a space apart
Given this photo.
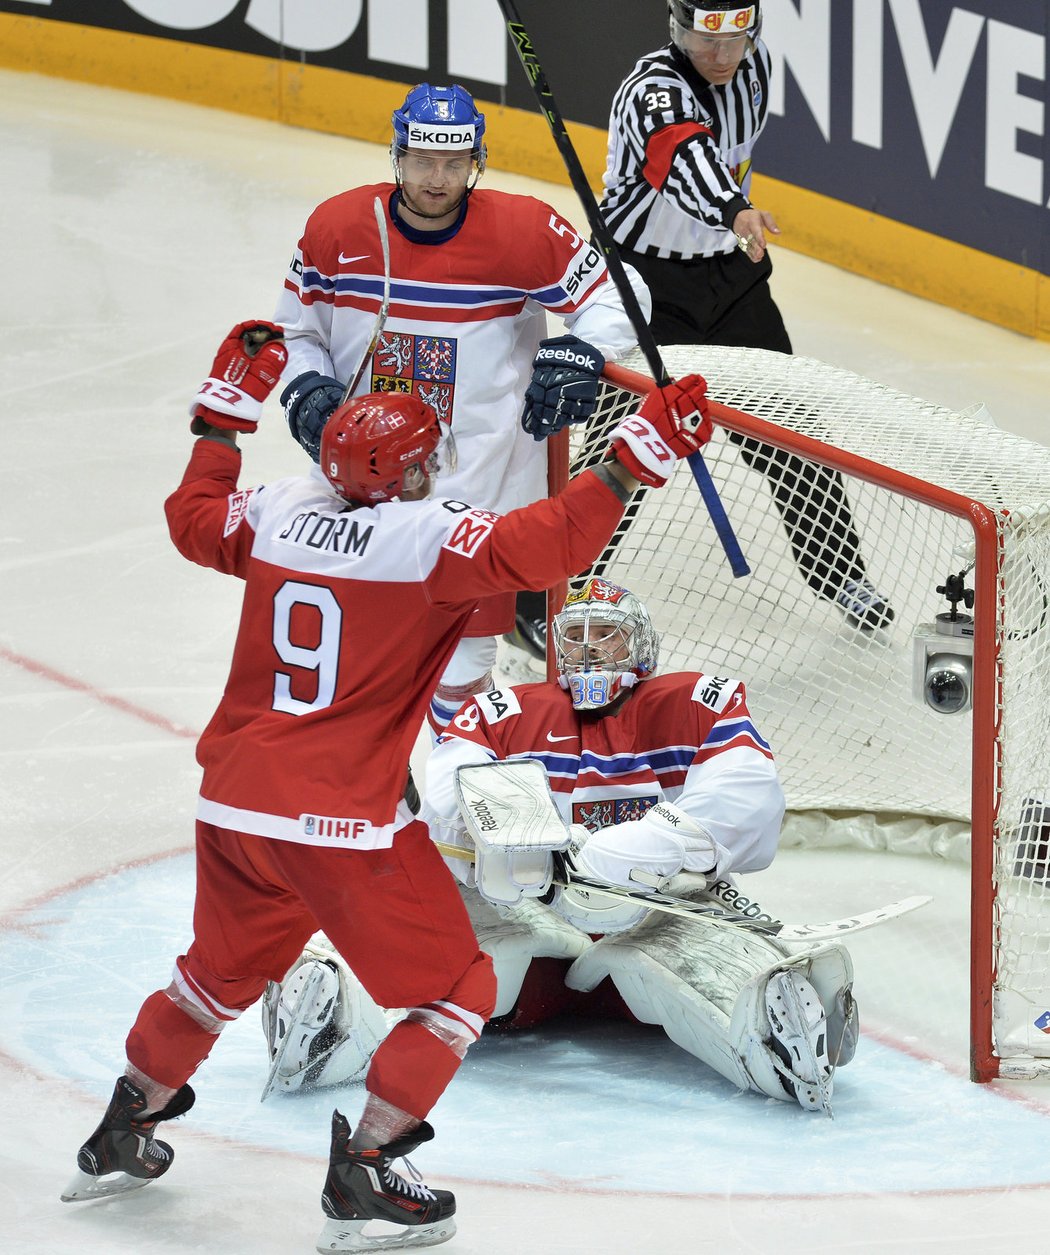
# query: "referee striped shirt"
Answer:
x=679 y=164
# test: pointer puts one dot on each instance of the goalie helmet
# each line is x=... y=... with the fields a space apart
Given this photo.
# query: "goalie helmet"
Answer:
x=379 y=446
x=443 y=118
x=713 y=17
x=605 y=644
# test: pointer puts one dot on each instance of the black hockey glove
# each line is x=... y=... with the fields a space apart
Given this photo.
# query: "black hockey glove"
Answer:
x=309 y=402
x=564 y=389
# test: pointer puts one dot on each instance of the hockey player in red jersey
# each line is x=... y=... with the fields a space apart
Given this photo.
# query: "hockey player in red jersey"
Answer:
x=665 y=781
x=474 y=273
x=358 y=584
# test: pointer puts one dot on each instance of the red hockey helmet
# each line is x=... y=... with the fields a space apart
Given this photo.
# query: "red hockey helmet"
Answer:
x=378 y=446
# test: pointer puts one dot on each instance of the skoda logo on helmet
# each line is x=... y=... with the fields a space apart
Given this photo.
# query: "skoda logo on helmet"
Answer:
x=451 y=137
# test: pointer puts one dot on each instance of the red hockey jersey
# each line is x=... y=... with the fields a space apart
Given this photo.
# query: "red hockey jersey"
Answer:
x=685 y=737
x=348 y=620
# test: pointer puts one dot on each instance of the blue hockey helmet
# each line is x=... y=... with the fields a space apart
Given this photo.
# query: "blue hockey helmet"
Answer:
x=444 y=118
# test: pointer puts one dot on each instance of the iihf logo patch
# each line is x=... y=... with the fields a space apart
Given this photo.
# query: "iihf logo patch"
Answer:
x=422 y=365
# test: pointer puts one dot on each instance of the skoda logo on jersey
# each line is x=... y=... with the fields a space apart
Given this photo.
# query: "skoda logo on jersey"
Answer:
x=453 y=138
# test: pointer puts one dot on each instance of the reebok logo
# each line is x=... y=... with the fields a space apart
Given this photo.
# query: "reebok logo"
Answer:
x=666 y=815
x=570 y=357
x=724 y=891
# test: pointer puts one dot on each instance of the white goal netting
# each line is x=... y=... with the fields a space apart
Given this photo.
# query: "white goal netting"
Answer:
x=851 y=735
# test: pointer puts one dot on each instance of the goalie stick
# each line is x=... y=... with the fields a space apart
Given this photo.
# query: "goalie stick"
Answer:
x=384 y=305
x=707 y=909
x=602 y=237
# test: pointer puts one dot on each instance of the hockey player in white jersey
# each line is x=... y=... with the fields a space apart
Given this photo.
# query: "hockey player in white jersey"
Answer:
x=474 y=273
x=676 y=786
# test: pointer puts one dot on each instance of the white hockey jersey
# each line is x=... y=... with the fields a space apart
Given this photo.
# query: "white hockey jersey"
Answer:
x=467 y=312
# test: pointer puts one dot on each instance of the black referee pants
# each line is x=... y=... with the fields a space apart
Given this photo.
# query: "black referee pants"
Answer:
x=726 y=300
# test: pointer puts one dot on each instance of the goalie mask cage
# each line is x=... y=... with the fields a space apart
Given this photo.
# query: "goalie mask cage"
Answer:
x=932 y=493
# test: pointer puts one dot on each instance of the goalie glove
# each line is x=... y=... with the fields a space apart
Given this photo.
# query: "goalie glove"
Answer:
x=672 y=422
x=566 y=373
x=245 y=371
x=309 y=402
x=651 y=853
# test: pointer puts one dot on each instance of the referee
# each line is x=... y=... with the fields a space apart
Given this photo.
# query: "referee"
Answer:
x=681 y=136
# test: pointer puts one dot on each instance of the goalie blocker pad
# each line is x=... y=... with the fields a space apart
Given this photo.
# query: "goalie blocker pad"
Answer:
x=709 y=987
x=509 y=812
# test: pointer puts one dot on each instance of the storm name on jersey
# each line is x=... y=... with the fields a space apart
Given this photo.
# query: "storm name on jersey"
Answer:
x=339 y=533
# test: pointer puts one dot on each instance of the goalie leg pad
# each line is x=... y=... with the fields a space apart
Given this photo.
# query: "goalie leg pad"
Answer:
x=513 y=936
x=321 y=1026
x=793 y=1025
x=705 y=983
x=685 y=975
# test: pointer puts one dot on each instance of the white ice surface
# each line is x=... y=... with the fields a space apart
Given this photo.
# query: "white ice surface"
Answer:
x=138 y=231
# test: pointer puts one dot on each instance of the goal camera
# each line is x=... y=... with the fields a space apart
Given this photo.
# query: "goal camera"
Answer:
x=942 y=668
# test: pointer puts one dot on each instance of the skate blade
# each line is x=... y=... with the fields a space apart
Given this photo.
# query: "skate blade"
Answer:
x=84 y=1186
x=351 y=1235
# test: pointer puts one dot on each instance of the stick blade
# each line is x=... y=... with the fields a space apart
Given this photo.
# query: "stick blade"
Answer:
x=853 y=923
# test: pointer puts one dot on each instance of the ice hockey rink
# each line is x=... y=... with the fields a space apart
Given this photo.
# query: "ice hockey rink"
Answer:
x=138 y=231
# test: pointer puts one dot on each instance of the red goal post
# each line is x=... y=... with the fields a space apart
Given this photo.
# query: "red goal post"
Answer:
x=930 y=494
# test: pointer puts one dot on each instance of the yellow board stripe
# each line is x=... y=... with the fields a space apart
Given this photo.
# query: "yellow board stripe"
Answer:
x=359 y=106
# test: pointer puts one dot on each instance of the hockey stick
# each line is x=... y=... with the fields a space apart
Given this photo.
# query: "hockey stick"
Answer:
x=602 y=237
x=687 y=908
x=384 y=306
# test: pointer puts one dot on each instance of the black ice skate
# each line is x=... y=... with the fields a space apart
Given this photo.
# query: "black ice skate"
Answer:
x=363 y=1190
x=864 y=606
x=529 y=634
x=122 y=1153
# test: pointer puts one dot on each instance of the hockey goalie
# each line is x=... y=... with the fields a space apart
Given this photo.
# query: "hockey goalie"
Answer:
x=619 y=775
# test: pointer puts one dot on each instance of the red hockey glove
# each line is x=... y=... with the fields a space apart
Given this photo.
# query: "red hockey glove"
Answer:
x=245 y=371
x=672 y=422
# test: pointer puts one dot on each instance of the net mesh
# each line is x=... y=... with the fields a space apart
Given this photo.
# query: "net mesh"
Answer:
x=827 y=552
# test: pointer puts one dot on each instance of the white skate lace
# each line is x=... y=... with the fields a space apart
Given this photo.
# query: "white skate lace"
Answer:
x=414 y=1188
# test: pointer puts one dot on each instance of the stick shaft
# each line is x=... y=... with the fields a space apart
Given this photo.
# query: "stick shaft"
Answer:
x=384 y=305
x=603 y=238
x=712 y=910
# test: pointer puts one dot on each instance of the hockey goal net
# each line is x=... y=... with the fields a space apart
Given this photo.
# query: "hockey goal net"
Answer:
x=928 y=494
